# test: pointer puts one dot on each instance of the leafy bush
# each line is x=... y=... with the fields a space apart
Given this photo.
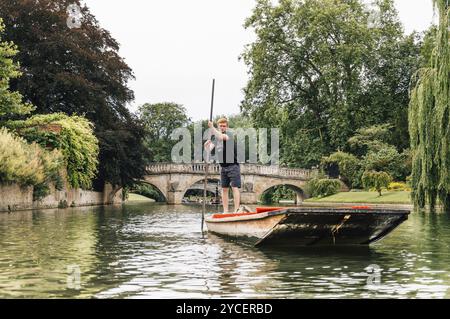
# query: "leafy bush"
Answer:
x=278 y=193
x=27 y=164
x=146 y=190
x=63 y=204
x=322 y=187
x=40 y=191
x=349 y=167
x=267 y=198
x=73 y=135
x=398 y=186
x=376 y=180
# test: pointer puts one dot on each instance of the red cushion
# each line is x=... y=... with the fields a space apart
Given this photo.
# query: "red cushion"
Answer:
x=259 y=210
x=362 y=207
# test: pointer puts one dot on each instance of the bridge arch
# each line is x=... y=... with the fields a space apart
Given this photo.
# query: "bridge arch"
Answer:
x=159 y=184
x=161 y=194
x=299 y=191
x=198 y=185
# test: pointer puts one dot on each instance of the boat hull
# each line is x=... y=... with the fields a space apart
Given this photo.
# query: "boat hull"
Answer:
x=309 y=226
x=255 y=228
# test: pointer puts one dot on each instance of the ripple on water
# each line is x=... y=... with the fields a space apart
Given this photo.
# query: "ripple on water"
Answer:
x=157 y=251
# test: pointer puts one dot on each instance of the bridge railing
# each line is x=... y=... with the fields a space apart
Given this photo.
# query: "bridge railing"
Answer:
x=199 y=168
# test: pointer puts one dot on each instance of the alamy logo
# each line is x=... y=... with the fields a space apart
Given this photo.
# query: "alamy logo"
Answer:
x=74 y=16
x=374 y=275
x=248 y=145
x=73 y=277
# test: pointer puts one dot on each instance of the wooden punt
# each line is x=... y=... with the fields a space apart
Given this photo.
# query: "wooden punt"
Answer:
x=306 y=226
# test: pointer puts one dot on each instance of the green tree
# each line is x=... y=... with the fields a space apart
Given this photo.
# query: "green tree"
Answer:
x=429 y=43
x=370 y=150
x=377 y=180
x=160 y=120
x=371 y=138
x=239 y=121
x=388 y=159
x=319 y=70
x=429 y=122
x=374 y=146
x=78 y=71
x=10 y=102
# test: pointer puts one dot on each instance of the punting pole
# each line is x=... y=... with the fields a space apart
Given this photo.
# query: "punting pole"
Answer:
x=205 y=183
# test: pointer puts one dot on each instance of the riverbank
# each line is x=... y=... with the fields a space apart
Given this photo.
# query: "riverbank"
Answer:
x=138 y=198
x=14 y=197
x=388 y=197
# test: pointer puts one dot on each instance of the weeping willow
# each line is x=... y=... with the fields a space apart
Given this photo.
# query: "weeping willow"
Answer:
x=429 y=122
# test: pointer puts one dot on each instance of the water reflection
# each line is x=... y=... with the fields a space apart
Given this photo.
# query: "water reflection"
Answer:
x=157 y=251
x=38 y=247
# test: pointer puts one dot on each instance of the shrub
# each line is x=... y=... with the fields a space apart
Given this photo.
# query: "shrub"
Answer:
x=146 y=190
x=63 y=204
x=322 y=187
x=40 y=191
x=266 y=198
x=349 y=167
x=73 y=135
x=398 y=186
x=376 y=180
x=278 y=193
x=27 y=164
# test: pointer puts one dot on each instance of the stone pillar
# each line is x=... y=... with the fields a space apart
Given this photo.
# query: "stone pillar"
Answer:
x=175 y=197
x=175 y=193
x=299 y=198
x=248 y=194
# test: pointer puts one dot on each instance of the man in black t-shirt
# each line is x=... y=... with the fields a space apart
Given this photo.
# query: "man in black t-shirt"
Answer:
x=226 y=151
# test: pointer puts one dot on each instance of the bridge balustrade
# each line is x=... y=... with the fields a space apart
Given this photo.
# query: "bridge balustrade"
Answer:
x=246 y=169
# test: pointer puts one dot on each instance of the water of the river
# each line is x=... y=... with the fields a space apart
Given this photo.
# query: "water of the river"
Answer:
x=156 y=251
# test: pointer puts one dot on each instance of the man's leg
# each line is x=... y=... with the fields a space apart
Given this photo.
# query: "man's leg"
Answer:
x=236 y=198
x=225 y=181
x=225 y=199
x=235 y=182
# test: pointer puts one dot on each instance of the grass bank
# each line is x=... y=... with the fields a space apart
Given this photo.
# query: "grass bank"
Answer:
x=138 y=198
x=365 y=197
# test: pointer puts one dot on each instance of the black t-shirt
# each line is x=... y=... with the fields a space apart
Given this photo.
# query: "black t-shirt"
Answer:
x=227 y=150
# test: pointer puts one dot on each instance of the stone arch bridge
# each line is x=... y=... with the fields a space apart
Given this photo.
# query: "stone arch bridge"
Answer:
x=173 y=180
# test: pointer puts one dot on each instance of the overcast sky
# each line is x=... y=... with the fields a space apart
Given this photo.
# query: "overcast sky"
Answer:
x=176 y=47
